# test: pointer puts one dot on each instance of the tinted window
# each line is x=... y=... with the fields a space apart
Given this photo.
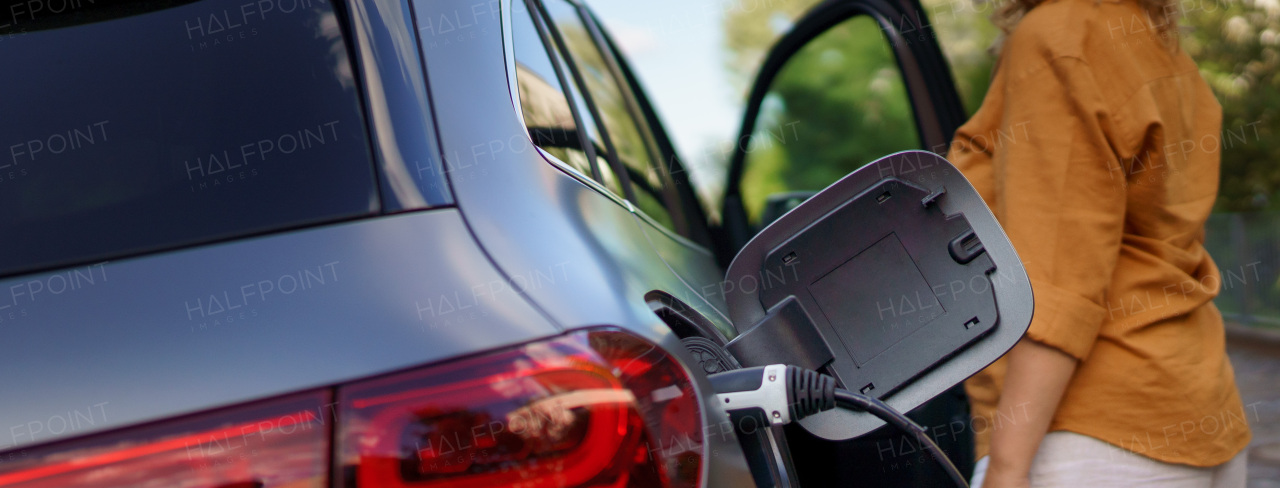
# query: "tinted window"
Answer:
x=186 y=124
x=608 y=178
x=542 y=97
x=628 y=137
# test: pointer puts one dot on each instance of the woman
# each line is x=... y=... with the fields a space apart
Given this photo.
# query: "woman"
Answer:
x=1122 y=379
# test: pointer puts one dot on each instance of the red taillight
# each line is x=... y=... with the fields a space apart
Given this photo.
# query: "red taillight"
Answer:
x=666 y=399
x=600 y=408
x=276 y=443
x=597 y=408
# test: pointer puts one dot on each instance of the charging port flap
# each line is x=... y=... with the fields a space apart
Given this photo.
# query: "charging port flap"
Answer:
x=892 y=280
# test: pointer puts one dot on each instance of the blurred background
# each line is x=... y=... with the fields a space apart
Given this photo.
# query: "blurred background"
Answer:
x=843 y=101
x=840 y=103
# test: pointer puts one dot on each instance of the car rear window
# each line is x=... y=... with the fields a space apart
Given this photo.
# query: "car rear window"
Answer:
x=131 y=127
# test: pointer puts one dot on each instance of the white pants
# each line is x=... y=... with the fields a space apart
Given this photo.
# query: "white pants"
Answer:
x=1070 y=460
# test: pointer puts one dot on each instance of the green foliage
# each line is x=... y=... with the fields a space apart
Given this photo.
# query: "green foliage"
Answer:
x=840 y=102
x=750 y=32
x=1235 y=43
x=965 y=35
x=837 y=105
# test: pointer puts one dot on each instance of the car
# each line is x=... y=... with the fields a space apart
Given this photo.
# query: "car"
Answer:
x=438 y=243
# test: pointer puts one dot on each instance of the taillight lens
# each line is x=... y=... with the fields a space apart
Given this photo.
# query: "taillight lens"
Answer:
x=600 y=408
x=281 y=442
x=665 y=397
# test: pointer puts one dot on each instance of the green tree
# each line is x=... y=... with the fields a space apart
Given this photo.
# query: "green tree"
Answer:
x=1234 y=42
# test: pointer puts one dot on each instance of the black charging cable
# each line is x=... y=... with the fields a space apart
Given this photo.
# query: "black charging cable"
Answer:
x=784 y=394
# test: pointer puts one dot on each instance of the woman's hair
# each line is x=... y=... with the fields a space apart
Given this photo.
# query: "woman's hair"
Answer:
x=1162 y=16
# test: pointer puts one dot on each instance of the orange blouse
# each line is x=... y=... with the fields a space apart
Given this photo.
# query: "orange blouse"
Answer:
x=1097 y=147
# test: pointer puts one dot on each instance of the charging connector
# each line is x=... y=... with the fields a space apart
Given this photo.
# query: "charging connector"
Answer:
x=784 y=393
x=763 y=388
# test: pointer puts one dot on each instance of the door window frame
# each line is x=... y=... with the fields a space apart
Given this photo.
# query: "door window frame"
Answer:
x=935 y=103
x=593 y=181
x=637 y=109
x=631 y=94
x=671 y=167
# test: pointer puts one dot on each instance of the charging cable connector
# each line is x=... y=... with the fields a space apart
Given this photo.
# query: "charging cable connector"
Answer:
x=783 y=394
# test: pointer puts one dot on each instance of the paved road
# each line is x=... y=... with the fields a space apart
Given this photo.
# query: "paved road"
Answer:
x=1257 y=366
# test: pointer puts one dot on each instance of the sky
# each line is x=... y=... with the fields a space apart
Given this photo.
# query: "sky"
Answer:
x=675 y=47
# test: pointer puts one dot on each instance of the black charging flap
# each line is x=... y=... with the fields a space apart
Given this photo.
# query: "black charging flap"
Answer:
x=896 y=280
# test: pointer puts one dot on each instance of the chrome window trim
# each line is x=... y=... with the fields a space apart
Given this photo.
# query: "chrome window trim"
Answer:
x=513 y=87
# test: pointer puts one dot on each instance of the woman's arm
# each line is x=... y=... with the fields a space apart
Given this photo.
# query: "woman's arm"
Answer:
x=1035 y=381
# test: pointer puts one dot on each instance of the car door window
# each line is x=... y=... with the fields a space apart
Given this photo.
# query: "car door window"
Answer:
x=608 y=177
x=629 y=138
x=591 y=129
x=543 y=101
x=689 y=218
x=835 y=106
